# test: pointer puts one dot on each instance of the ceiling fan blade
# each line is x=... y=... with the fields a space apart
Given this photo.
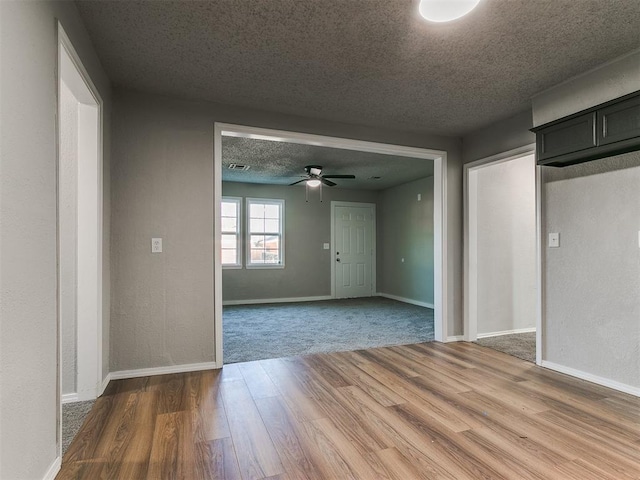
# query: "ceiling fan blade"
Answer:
x=299 y=181
x=339 y=176
x=328 y=183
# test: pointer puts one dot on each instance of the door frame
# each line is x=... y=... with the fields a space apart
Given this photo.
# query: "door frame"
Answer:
x=89 y=375
x=338 y=203
x=470 y=243
x=439 y=158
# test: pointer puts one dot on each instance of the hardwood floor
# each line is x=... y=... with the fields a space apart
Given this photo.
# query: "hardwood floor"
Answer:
x=424 y=411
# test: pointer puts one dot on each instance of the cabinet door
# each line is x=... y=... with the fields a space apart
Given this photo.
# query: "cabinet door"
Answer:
x=619 y=122
x=566 y=137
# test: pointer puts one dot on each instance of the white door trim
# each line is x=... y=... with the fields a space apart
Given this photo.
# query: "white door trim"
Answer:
x=439 y=157
x=89 y=349
x=470 y=255
x=374 y=235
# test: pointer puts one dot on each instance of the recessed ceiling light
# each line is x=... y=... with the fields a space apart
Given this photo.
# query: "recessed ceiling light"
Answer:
x=445 y=10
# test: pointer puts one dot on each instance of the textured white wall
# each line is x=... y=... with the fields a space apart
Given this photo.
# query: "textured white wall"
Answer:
x=607 y=82
x=68 y=217
x=506 y=246
x=29 y=396
x=592 y=282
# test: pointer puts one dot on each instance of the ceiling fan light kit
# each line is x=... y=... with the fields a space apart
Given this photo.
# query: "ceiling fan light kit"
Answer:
x=314 y=178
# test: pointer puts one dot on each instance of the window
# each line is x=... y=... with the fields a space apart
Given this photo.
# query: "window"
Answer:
x=230 y=218
x=265 y=233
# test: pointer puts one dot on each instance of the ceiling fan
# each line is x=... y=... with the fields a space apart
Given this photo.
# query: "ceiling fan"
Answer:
x=314 y=177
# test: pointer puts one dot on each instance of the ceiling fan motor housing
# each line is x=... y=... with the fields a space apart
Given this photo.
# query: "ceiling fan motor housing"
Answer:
x=313 y=170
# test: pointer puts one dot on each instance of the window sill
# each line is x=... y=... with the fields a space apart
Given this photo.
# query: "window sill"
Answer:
x=231 y=267
x=263 y=267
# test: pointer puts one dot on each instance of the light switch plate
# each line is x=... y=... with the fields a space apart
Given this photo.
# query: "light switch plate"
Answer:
x=554 y=240
x=156 y=245
x=325 y=246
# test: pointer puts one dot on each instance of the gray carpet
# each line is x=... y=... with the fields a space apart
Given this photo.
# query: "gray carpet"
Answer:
x=521 y=345
x=73 y=415
x=256 y=332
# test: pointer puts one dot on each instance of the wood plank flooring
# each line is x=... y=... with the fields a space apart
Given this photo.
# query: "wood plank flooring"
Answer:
x=424 y=411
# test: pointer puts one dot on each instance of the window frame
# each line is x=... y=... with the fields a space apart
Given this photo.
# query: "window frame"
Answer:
x=238 y=233
x=263 y=201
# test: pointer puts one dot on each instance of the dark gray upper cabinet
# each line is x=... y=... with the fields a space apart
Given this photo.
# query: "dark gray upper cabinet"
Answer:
x=608 y=129
x=570 y=136
x=619 y=122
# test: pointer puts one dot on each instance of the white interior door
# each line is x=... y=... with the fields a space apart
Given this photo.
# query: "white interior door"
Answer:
x=354 y=249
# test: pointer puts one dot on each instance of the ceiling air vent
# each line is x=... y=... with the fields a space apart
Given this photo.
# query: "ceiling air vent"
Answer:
x=238 y=166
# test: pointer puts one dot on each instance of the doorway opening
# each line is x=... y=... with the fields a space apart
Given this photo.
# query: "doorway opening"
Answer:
x=79 y=227
x=224 y=240
x=501 y=231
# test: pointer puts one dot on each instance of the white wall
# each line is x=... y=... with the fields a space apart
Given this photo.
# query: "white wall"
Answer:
x=29 y=395
x=592 y=282
x=506 y=245
x=68 y=194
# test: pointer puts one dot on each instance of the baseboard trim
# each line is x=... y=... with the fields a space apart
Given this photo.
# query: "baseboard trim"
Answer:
x=148 y=372
x=105 y=383
x=256 y=301
x=69 y=398
x=455 y=338
x=405 y=300
x=507 y=332
x=589 y=377
x=53 y=469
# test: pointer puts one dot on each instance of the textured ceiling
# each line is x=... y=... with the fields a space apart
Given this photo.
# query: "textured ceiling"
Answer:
x=367 y=62
x=280 y=163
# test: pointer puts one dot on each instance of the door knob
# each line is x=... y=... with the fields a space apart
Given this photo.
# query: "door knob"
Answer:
x=337 y=259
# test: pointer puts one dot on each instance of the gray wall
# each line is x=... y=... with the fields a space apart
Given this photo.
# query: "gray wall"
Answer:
x=592 y=305
x=506 y=246
x=499 y=137
x=591 y=283
x=68 y=215
x=588 y=204
x=28 y=281
x=405 y=230
x=162 y=180
x=607 y=82
x=307 y=271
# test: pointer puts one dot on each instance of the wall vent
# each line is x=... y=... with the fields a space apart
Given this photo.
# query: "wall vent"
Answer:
x=238 y=166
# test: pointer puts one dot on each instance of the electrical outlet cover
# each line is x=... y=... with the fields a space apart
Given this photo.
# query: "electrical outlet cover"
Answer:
x=156 y=245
